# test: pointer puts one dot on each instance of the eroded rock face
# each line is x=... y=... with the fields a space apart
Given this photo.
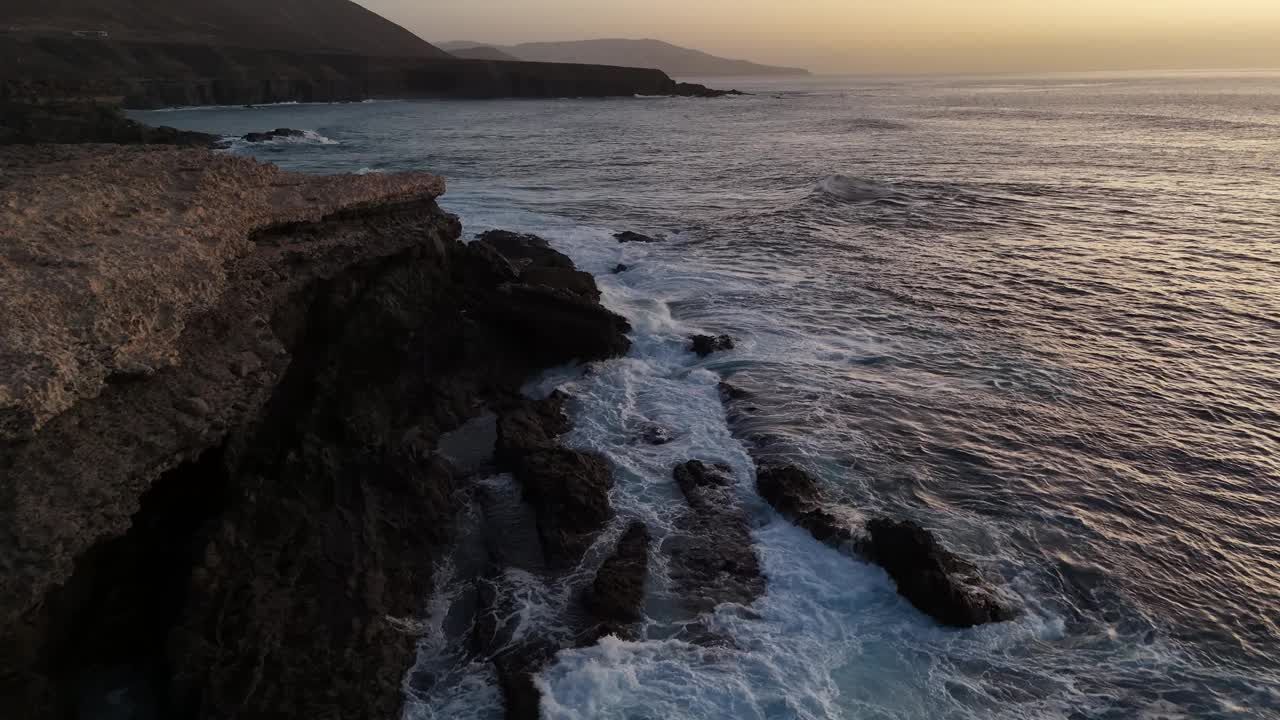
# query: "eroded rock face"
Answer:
x=289 y=349
x=713 y=560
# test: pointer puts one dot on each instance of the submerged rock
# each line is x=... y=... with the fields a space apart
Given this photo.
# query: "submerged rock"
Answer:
x=654 y=434
x=932 y=578
x=615 y=596
x=277 y=134
x=628 y=236
x=712 y=555
x=620 y=268
x=729 y=391
x=705 y=345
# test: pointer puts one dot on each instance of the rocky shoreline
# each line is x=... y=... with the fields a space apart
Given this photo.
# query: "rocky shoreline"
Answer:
x=223 y=390
x=149 y=75
x=243 y=410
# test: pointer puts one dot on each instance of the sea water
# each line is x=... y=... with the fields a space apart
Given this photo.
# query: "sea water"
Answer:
x=1039 y=315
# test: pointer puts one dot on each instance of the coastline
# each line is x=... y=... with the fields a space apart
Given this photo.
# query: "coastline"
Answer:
x=234 y=416
x=151 y=75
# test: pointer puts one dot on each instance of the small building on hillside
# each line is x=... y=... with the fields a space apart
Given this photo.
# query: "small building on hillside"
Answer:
x=91 y=33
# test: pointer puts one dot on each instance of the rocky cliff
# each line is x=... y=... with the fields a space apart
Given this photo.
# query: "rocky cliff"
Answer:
x=222 y=393
x=153 y=74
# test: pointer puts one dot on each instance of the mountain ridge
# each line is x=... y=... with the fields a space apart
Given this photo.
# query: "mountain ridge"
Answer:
x=648 y=53
x=330 y=26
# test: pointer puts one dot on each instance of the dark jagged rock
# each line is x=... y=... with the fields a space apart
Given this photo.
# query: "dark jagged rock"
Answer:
x=703 y=484
x=551 y=306
x=620 y=268
x=516 y=669
x=577 y=282
x=530 y=426
x=929 y=576
x=794 y=494
x=713 y=560
x=85 y=122
x=616 y=595
x=553 y=323
x=488 y=262
x=932 y=578
x=569 y=490
x=535 y=262
x=628 y=236
x=705 y=345
x=523 y=249
x=277 y=134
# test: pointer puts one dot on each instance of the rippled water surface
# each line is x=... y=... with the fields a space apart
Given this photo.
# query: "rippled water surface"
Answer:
x=1039 y=315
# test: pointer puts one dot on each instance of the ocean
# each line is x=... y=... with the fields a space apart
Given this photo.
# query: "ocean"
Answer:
x=1039 y=315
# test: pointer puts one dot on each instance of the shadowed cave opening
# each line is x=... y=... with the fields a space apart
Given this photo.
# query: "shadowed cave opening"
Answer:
x=109 y=623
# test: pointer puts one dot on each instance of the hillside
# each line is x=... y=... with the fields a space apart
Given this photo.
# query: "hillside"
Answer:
x=327 y=26
x=671 y=59
x=481 y=52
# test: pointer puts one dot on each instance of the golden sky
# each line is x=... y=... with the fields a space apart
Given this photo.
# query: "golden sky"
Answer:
x=887 y=35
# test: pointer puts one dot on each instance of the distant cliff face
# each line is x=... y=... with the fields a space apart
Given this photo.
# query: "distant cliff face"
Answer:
x=150 y=75
x=157 y=53
x=671 y=59
x=333 y=26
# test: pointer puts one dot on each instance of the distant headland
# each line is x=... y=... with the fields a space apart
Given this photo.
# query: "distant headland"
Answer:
x=671 y=59
x=157 y=53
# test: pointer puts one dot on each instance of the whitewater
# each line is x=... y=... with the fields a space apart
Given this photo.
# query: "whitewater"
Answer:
x=1039 y=315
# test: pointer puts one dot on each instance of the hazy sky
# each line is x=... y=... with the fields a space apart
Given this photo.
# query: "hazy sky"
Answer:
x=887 y=35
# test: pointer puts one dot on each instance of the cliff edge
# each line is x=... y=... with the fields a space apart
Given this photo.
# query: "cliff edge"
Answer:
x=109 y=251
x=224 y=388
